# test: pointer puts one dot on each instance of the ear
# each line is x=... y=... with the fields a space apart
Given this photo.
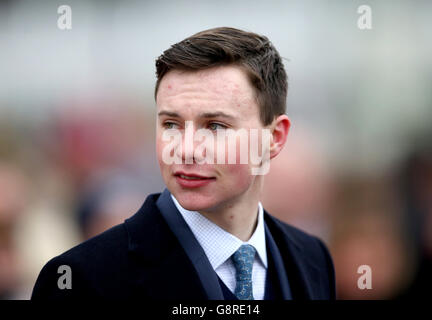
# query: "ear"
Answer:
x=280 y=128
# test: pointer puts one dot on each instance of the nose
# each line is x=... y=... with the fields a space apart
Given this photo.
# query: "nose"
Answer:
x=185 y=151
x=196 y=146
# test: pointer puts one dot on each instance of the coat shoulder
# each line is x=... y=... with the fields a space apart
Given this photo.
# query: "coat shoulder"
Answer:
x=313 y=249
x=107 y=245
x=87 y=263
x=296 y=235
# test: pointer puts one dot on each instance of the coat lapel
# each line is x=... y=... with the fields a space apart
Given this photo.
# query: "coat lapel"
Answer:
x=160 y=269
x=168 y=263
x=192 y=248
x=303 y=275
x=278 y=266
x=171 y=263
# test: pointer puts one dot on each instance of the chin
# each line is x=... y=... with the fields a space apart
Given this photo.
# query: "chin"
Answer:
x=194 y=202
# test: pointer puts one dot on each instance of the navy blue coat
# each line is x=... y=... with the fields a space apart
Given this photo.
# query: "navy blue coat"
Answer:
x=154 y=255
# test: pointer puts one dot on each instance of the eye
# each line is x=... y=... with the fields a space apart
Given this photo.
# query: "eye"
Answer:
x=214 y=126
x=170 y=125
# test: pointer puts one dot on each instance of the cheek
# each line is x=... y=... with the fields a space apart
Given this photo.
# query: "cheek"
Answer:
x=159 y=151
x=231 y=152
x=239 y=176
x=159 y=148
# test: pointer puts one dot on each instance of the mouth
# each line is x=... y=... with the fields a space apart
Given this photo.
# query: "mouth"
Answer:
x=192 y=180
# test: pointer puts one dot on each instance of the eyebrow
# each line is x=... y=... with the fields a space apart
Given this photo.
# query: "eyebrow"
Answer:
x=202 y=115
x=169 y=114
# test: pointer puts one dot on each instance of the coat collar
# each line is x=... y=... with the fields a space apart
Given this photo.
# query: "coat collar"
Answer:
x=166 y=242
x=303 y=273
x=162 y=269
x=191 y=246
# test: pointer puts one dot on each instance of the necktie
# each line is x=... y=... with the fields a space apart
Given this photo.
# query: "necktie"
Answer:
x=243 y=260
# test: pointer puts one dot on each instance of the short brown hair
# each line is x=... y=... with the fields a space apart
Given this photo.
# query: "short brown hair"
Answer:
x=254 y=53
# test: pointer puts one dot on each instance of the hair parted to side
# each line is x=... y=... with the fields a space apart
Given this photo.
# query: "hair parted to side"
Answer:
x=254 y=53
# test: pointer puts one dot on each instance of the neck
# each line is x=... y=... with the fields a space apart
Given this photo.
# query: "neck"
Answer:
x=238 y=216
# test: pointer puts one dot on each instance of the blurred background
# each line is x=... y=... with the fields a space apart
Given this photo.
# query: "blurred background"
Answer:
x=77 y=128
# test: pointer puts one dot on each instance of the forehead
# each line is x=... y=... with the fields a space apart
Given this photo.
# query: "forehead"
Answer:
x=221 y=87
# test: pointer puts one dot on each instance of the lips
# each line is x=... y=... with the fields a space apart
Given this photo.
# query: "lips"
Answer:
x=190 y=177
x=192 y=180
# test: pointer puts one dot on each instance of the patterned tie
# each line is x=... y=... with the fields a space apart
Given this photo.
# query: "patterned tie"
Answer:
x=243 y=260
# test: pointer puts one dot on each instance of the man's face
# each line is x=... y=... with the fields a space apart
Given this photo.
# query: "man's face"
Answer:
x=215 y=99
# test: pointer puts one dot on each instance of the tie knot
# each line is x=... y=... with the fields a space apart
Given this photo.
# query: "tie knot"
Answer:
x=243 y=260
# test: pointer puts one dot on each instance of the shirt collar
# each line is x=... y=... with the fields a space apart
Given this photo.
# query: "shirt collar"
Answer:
x=218 y=244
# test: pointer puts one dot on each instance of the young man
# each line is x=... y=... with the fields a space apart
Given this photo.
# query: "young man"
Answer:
x=207 y=235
